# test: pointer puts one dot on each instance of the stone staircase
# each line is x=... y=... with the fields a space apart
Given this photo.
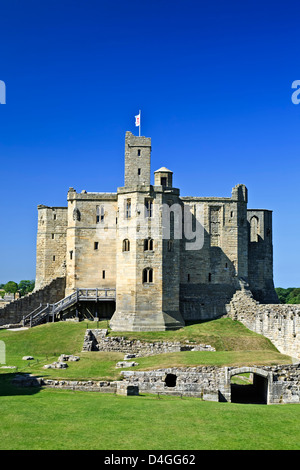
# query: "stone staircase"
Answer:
x=45 y=312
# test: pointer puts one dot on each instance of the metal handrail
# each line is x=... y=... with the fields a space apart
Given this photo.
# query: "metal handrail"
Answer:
x=31 y=313
x=93 y=293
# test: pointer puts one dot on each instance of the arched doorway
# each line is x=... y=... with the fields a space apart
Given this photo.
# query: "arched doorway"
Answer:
x=249 y=385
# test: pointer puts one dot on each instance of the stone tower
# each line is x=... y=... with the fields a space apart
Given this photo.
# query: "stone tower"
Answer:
x=260 y=262
x=51 y=244
x=137 y=161
x=147 y=279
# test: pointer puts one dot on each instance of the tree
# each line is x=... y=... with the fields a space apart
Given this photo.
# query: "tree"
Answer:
x=25 y=286
x=291 y=295
x=294 y=297
x=10 y=287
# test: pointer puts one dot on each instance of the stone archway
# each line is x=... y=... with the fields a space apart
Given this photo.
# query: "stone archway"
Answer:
x=258 y=392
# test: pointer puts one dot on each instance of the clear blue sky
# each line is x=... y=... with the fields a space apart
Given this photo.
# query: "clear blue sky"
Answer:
x=213 y=81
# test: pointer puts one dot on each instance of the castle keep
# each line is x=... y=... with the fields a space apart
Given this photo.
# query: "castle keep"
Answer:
x=160 y=258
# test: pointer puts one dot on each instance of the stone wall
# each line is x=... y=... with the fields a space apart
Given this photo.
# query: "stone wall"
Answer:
x=117 y=387
x=260 y=248
x=50 y=245
x=279 y=384
x=13 y=313
x=96 y=340
x=280 y=323
x=214 y=383
x=91 y=240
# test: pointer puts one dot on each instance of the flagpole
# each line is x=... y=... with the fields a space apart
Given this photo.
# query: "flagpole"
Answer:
x=140 y=124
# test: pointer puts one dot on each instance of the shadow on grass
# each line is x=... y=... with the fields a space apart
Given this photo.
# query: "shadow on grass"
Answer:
x=14 y=384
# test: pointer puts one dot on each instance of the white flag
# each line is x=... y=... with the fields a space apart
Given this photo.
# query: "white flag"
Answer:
x=138 y=120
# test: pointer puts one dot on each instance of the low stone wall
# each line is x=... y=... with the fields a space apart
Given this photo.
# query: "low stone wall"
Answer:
x=13 y=313
x=202 y=382
x=280 y=323
x=97 y=340
x=118 y=387
x=278 y=384
x=214 y=383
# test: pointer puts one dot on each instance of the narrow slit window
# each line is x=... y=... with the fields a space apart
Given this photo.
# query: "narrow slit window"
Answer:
x=139 y=152
x=170 y=245
x=139 y=171
x=103 y=274
x=96 y=245
x=53 y=236
x=126 y=245
x=71 y=254
x=102 y=213
x=209 y=277
x=148 y=207
x=128 y=209
x=53 y=258
x=254 y=229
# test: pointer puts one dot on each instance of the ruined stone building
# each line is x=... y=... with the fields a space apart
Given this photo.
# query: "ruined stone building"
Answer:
x=162 y=259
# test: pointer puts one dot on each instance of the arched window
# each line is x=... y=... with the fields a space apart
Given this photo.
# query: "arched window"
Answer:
x=148 y=244
x=254 y=229
x=147 y=275
x=126 y=245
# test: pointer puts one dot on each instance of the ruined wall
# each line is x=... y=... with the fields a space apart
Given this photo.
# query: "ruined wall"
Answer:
x=279 y=323
x=13 y=313
x=214 y=383
x=260 y=271
x=96 y=340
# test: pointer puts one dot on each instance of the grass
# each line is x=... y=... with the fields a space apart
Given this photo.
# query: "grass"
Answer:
x=235 y=344
x=58 y=419
x=223 y=334
x=33 y=418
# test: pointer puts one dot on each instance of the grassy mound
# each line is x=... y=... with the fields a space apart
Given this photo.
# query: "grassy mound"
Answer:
x=235 y=345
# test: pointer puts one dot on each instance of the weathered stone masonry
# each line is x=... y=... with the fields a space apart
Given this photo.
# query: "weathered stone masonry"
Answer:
x=281 y=384
x=279 y=323
x=118 y=240
x=14 y=312
x=96 y=340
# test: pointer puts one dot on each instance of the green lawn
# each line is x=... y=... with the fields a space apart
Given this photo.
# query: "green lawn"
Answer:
x=57 y=419
x=235 y=345
x=33 y=418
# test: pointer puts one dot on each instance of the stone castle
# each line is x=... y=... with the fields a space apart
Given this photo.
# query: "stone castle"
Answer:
x=161 y=259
